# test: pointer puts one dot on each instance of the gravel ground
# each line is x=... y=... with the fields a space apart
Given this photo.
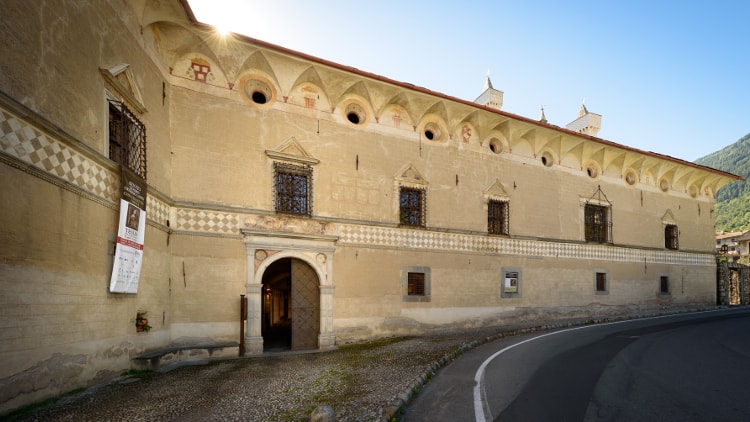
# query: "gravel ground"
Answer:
x=358 y=381
x=362 y=382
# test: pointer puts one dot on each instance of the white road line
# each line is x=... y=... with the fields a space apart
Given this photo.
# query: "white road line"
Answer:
x=481 y=408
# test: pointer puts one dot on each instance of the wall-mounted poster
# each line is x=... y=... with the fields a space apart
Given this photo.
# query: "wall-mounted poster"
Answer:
x=511 y=282
x=126 y=270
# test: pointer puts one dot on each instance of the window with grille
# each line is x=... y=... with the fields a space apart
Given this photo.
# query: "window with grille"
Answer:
x=671 y=234
x=293 y=189
x=127 y=139
x=597 y=223
x=415 y=284
x=664 y=284
x=497 y=217
x=601 y=282
x=412 y=207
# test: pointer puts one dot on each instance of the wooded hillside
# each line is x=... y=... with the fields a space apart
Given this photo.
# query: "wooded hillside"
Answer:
x=733 y=200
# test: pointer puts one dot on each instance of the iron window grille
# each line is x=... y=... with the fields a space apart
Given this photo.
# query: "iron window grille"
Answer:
x=127 y=138
x=412 y=207
x=293 y=189
x=497 y=217
x=598 y=218
x=671 y=237
x=415 y=284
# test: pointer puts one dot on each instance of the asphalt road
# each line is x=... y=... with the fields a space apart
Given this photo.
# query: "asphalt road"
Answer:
x=689 y=367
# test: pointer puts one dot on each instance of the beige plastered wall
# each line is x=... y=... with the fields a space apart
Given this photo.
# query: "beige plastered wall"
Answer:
x=210 y=177
x=59 y=201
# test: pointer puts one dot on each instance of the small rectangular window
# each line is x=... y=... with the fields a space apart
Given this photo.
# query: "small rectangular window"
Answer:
x=412 y=207
x=415 y=286
x=293 y=189
x=597 y=224
x=601 y=282
x=664 y=284
x=127 y=139
x=497 y=217
x=671 y=234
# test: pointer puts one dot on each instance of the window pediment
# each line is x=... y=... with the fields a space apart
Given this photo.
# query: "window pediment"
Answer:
x=411 y=177
x=668 y=218
x=292 y=151
x=121 y=79
x=496 y=191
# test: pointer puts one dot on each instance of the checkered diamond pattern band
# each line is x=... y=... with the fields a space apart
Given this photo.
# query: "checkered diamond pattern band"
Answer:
x=31 y=146
x=400 y=238
x=206 y=221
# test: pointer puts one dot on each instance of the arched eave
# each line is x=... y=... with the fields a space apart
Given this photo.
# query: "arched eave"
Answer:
x=503 y=128
x=652 y=166
x=178 y=41
x=553 y=144
x=614 y=161
x=572 y=147
x=667 y=174
x=402 y=101
x=437 y=109
x=475 y=120
x=149 y=12
x=667 y=171
x=455 y=115
x=696 y=178
x=716 y=182
x=419 y=106
x=593 y=152
x=530 y=137
x=311 y=76
x=358 y=89
x=258 y=61
x=682 y=176
x=634 y=161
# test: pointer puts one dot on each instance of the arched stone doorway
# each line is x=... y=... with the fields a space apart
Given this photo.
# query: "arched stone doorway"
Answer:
x=290 y=307
x=306 y=261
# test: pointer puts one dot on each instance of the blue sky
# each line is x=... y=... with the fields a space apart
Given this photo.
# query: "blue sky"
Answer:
x=667 y=76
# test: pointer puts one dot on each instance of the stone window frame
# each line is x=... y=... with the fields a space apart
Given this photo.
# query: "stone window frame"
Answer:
x=597 y=231
x=126 y=138
x=671 y=236
x=404 y=214
x=601 y=282
x=498 y=225
x=281 y=169
x=427 y=290
x=504 y=291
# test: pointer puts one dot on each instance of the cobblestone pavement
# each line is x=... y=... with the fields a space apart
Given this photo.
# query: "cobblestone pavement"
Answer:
x=362 y=382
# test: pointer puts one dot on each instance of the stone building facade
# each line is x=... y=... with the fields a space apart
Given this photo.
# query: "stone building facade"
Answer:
x=343 y=205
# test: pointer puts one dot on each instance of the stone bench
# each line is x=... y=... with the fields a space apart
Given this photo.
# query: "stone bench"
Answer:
x=172 y=357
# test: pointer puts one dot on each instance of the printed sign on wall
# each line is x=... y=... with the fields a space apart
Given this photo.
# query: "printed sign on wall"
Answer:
x=126 y=270
x=511 y=282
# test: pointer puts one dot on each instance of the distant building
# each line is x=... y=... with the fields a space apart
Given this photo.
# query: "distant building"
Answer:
x=343 y=205
x=733 y=243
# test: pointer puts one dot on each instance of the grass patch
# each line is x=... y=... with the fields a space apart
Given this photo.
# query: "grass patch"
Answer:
x=135 y=372
x=359 y=347
x=23 y=412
